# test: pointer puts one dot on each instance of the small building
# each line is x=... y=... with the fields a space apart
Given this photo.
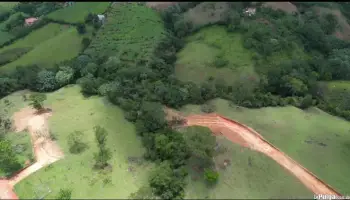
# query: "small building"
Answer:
x=250 y=11
x=101 y=18
x=30 y=21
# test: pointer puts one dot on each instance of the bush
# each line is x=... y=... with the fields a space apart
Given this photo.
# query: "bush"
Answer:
x=85 y=42
x=211 y=176
x=220 y=62
x=64 y=76
x=208 y=108
x=64 y=194
x=46 y=81
x=75 y=142
x=81 y=28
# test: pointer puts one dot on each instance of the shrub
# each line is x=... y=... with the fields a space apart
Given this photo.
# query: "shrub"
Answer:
x=220 y=62
x=75 y=142
x=81 y=28
x=208 y=108
x=211 y=176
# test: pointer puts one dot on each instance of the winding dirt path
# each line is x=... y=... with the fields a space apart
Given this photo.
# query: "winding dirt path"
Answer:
x=45 y=150
x=245 y=136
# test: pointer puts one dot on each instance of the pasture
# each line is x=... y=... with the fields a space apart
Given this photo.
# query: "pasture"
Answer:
x=315 y=139
x=197 y=60
x=63 y=46
x=36 y=37
x=337 y=93
x=248 y=175
x=131 y=31
x=207 y=13
x=78 y=11
x=7 y=5
x=72 y=112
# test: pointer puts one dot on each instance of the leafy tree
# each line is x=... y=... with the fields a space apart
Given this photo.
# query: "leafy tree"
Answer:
x=306 y=102
x=103 y=155
x=171 y=146
x=7 y=85
x=211 y=176
x=64 y=76
x=339 y=62
x=8 y=160
x=165 y=183
x=201 y=143
x=37 y=100
x=46 y=81
x=90 y=68
x=85 y=42
x=153 y=115
x=81 y=28
x=64 y=194
x=75 y=142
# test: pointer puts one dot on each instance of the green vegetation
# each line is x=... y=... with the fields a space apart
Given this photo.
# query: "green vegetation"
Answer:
x=77 y=12
x=127 y=33
x=50 y=52
x=21 y=146
x=310 y=137
x=8 y=5
x=75 y=113
x=336 y=93
x=197 y=61
x=36 y=37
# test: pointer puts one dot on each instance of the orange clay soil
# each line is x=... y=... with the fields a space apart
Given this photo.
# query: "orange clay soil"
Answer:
x=46 y=151
x=247 y=137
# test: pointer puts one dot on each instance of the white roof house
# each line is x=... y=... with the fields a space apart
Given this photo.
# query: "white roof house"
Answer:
x=101 y=17
x=250 y=11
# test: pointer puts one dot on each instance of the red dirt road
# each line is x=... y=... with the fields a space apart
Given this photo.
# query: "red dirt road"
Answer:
x=247 y=137
x=45 y=150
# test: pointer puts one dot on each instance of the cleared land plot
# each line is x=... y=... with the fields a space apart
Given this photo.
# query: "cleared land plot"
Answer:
x=338 y=93
x=207 y=13
x=36 y=37
x=315 y=139
x=78 y=11
x=196 y=61
x=284 y=6
x=248 y=175
x=131 y=31
x=73 y=112
x=62 y=47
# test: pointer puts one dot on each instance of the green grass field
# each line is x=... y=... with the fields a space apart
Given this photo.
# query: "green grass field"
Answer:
x=131 y=31
x=78 y=11
x=73 y=112
x=8 y=5
x=338 y=93
x=36 y=37
x=250 y=175
x=196 y=60
x=317 y=140
x=64 y=46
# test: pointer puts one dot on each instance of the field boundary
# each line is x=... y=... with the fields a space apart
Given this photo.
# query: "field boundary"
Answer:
x=311 y=181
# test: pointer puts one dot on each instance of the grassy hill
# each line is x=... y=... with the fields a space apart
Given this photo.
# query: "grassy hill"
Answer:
x=73 y=112
x=131 y=31
x=78 y=11
x=197 y=61
x=317 y=140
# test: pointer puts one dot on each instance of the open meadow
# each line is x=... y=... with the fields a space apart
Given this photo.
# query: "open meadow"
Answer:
x=197 y=61
x=72 y=112
x=77 y=12
x=49 y=45
x=132 y=31
x=247 y=175
x=315 y=139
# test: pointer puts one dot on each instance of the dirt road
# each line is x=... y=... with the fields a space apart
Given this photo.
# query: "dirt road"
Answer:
x=246 y=136
x=45 y=150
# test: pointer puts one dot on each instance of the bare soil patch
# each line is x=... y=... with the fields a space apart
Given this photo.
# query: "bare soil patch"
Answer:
x=284 y=6
x=46 y=151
